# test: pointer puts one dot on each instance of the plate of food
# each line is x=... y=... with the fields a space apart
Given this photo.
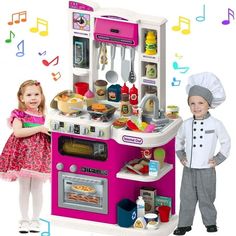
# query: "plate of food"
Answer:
x=83 y=188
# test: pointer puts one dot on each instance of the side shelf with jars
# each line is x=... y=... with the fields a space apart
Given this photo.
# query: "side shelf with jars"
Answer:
x=152 y=59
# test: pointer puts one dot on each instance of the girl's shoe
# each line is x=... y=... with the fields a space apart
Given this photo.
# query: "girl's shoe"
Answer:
x=34 y=226
x=24 y=227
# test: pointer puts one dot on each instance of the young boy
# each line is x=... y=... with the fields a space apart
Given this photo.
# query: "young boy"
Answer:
x=195 y=147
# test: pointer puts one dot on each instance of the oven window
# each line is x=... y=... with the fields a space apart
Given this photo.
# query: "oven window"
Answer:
x=82 y=148
x=83 y=192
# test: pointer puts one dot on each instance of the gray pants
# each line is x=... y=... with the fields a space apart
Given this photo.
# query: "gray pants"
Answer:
x=198 y=185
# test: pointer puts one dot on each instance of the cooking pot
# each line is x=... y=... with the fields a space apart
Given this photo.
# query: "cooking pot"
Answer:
x=68 y=102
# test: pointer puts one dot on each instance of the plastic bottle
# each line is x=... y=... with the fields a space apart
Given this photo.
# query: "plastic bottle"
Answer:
x=150 y=43
x=140 y=207
x=133 y=95
x=124 y=89
x=125 y=108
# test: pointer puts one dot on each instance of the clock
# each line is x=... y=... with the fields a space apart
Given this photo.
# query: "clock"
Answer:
x=81 y=21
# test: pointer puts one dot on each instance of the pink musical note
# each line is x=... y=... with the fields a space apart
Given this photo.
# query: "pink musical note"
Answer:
x=46 y=63
x=12 y=35
x=56 y=76
x=22 y=52
x=21 y=17
x=230 y=14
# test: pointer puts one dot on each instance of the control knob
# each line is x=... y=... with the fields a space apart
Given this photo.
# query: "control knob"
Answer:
x=101 y=133
x=73 y=168
x=85 y=131
x=55 y=125
x=59 y=166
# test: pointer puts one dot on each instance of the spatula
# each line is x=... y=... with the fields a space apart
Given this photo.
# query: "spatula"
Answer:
x=125 y=65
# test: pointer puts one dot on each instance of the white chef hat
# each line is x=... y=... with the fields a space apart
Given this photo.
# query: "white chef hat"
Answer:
x=208 y=86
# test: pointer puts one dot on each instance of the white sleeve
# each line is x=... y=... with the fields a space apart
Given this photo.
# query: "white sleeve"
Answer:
x=225 y=143
x=180 y=143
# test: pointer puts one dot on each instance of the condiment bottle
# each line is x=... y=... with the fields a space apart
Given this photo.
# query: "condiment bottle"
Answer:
x=150 y=43
x=140 y=207
x=133 y=99
x=124 y=89
x=125 y=108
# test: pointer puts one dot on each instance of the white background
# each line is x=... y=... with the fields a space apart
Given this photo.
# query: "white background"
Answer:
x=209 y=47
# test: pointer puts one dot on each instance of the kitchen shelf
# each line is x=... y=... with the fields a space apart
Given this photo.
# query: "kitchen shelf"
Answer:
x=125 y=174
x=113 y=229
x=145 y=80
x=150 y=58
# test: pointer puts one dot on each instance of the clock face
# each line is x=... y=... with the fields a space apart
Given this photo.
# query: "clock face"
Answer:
x=81 y=21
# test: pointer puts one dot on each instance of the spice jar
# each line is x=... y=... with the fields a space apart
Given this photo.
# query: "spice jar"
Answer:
x=125 y=107
x=150 y=43
x=172 y=112
x=100 y=89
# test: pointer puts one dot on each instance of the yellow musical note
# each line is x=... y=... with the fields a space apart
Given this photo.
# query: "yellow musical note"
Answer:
x=185 y=21
x=39 y=22
x=21 y=17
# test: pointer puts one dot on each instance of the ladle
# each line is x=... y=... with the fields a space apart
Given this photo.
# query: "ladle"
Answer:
x=132 y=77
x=111 y=75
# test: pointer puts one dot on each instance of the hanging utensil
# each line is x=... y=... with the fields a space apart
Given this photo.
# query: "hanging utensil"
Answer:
x=132 y=77
x=125 y=65
x=103 y=59
x=111 y=75
x=99 y=54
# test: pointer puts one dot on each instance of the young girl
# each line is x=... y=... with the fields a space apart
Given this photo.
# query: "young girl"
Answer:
x=195 y=147
x=26 y=155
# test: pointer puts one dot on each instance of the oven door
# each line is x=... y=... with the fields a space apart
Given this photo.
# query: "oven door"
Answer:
x=82 y=192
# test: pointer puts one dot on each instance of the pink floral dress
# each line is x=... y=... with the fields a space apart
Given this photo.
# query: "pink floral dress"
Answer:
x=28 y=156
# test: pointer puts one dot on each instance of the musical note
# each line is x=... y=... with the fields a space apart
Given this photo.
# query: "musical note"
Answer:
x=48 y=232
x=203 y=17
x=230 y=13
x=21 y=17
x=39 y=22
x=56 y=76
x=176 y=67
x=22 y=52
x=175 y=82
x=42 y=53
x=46 y=63
x=12 y=35
x=178 y=56
x=183 y=20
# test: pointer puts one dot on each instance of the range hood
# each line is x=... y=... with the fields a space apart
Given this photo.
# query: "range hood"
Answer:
x=117 y=32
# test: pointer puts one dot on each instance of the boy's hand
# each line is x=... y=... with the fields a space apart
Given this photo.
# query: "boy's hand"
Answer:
x=184 y=162
x=212 y=163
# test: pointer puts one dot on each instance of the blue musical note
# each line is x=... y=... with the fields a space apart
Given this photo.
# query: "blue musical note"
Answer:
x=46 y=233
x=22 y=52
x=203 y=17
x=175 y=82
x=176 y=67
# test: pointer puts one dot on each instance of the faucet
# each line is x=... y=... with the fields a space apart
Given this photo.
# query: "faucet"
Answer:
x=156 y=105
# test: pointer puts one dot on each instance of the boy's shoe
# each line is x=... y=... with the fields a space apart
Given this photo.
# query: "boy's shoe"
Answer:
x=24 y=227
x=182 y=230
x=211 y=228
x=34 y=226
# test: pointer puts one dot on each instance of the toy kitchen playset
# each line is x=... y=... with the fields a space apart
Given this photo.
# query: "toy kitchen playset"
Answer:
x=112 y=138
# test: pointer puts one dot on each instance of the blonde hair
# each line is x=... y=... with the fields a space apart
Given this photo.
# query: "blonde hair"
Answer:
x=21 y=105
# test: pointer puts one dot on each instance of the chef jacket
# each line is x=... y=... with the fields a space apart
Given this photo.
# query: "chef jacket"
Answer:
x=196 y=141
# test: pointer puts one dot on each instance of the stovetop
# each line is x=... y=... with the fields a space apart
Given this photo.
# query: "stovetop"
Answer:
x=79 y=124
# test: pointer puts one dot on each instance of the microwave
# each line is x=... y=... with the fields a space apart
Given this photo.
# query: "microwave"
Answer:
x=80 y=148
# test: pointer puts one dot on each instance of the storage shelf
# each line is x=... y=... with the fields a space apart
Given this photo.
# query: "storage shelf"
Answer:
x=114 y=229
x=147 y=81
x=150 y=58
x=125 y=174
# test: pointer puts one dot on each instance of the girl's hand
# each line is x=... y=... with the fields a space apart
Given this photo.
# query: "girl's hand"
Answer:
x=184 y=162
x=212 y=163
x=44 y=130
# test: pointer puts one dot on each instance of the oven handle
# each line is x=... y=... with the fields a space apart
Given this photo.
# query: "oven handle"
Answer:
x=85 y=180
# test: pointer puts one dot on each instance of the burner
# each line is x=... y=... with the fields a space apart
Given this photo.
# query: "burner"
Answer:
x=76 y=114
